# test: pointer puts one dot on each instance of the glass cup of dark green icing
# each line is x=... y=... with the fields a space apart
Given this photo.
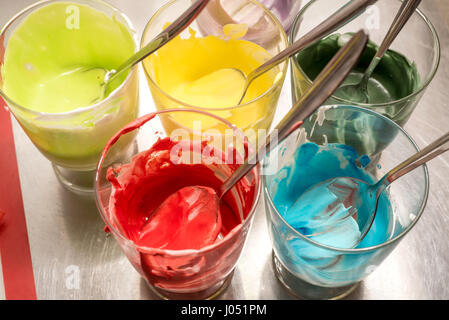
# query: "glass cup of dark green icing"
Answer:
x=400 y=79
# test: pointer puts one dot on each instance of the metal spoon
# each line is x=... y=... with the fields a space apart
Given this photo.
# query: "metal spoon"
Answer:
x=206 y=200
x=335 y=21
x=359 y=92
x=160 y=40
x=353 y=197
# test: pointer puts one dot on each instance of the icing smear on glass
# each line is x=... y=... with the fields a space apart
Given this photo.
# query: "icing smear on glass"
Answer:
x=320 y=118
x=305 y=208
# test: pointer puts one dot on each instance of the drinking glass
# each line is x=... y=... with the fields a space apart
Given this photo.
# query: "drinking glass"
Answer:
x=266 y=32
x=183 y=274
x=285 y=11
x=313 y=270
x=73 y=140
x=418 y=41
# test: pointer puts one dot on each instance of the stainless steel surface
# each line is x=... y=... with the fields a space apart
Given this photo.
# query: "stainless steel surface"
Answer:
x=67 y=238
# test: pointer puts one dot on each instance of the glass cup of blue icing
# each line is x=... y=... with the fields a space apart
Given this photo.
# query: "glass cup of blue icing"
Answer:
x=403 y=74
x=338 y=141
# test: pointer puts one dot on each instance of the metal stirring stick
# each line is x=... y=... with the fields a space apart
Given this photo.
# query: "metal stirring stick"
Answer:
x=359 y=92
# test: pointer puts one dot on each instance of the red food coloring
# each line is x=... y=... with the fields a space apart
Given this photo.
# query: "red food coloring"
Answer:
x=188 y=219
x=2 y=215
x=161 y=202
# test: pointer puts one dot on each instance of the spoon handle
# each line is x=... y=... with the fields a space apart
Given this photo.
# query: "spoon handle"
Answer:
x=438 y=147
x=324 y=85
x=408 y=7
x=165 y=36
x=330 y=24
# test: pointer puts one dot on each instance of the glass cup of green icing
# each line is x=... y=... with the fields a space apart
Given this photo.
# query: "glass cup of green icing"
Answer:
x=313 y=264
x=400 y=79
x=240 y=34
x=42 y=50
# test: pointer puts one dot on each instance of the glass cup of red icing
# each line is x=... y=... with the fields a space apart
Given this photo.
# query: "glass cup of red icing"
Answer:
x=130 y=186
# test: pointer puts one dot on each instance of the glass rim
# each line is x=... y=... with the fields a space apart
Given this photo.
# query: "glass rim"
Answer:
x=422 y=87
x=370 y=248
x=10 y=102
x=284 y=36
x=185 y=252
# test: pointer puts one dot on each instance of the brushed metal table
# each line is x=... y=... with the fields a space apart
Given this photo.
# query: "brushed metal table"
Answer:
x=66 y=232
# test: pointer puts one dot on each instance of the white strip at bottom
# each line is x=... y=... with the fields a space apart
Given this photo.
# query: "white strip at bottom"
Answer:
x=2 y=286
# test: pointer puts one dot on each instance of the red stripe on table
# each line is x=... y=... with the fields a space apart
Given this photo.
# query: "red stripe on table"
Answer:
x=17 y=267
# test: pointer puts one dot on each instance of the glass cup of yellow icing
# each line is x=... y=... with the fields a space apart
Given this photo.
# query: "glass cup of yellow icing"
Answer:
x=42 y=50
x=196 y=70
